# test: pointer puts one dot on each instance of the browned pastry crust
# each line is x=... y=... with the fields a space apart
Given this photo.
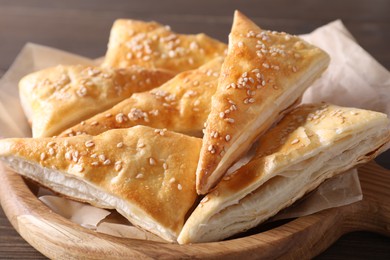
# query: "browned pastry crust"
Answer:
x=181 y=105
x=152 y=45
x=59 y=97
x=147 y=174
x=308 y=146
x=263 y=74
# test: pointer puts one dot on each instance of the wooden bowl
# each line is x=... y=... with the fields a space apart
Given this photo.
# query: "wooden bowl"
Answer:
x=304 y=237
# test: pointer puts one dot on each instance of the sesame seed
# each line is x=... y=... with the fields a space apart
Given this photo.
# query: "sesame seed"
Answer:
x=108 y=115
x=251 y=100
x=139 y=176
x=94 y=155
x=107 y=162
x=140 y=145
x=172 y=180
x=179 y=187
x=94 y=163
x=79 y=168
x=50 y=143
x=221 y=114
x=295 y=141
x=89 y=143
x=294 y=69
x=66 y=143
x=119 y=145
x=94 y=123
x=68 y=156
x=152 y=161
x=338 y=131
x=240 y=44
x=43 y=156
x=51 y=151
x=118 y=166
x=82 y=123
x=102 y=158
x=211 y=149
x=165 y=166
x=227 y=138
x=255 y=70
x=229 y=120
x=119 y=118
x=266 y=65
x=205 y=199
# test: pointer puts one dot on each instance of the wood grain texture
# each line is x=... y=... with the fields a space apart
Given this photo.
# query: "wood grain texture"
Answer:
x=82 y=27
x=305 y=237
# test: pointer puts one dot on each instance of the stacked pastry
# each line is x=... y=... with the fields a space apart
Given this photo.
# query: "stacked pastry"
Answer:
x=129 y=133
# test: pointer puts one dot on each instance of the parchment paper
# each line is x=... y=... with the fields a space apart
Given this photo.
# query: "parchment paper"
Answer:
x=354 y=78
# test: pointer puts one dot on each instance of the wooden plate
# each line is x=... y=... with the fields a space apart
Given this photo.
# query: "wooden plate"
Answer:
x=304 y=237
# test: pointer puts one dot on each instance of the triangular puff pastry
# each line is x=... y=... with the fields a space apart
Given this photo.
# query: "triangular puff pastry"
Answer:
x=146 y=174
x=263 y=75
x=309 y=145
x=152 y=45
x=181 y=105
x=56 y=98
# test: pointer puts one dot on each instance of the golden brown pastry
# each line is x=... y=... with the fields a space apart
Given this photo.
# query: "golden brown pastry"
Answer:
x=146 y=174
x=59 y=97
x=152 y=45
x=309 y=145
x=181 y=105
x=263 y=75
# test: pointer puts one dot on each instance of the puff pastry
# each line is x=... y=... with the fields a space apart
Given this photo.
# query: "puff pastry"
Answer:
x=146 y=174
x=309 y=145
x=56 y=98
x=152 y=45
x=263 y=75
x=181 y=105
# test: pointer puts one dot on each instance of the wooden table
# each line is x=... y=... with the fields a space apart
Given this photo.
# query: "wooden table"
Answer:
x=82 y=27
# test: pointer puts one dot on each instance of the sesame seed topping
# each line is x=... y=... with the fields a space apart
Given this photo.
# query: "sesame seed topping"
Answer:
x=102 y=158
x=266 y=65
x=295 y=141
x=152 y=161
x=179 y=187
x=51 y=151
x=139 y=176
x=107 y=162
x=79 y=168
x=229 y=120
x=205 y=199
x=227 y=138
x=119 y=145
x=118 y=166
x=165 y=166
x=119 y=118
x=50 y=143
x=140 y=145
x=94 y=123
x=94 y=155
x=172 y=180
x=43 y=156
x=211 y=149
x=89 y=143
x=240 y=44
x=221 y=114
x=108 y=115
x=294 y=69
x=94 y=163
x=68 y=156
x=66 y=143
x=82 y=123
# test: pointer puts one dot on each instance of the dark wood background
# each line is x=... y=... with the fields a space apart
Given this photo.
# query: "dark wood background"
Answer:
x=82 y=27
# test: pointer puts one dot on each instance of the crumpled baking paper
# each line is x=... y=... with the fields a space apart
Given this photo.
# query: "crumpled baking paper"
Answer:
x=353 y=78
